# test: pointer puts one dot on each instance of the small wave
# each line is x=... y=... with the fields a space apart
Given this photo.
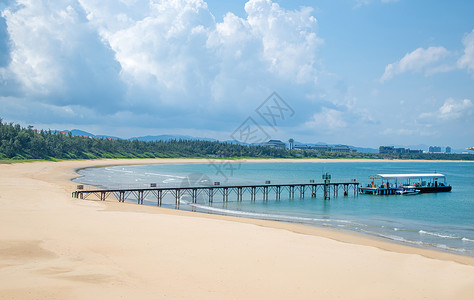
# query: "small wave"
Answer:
x=419 y=243
x=111 y=169
x=438 y=235
x=166 y=175
x=467 y=240
x=170 y=180
x=271 y=216
x=445 y=247
x=387 y=236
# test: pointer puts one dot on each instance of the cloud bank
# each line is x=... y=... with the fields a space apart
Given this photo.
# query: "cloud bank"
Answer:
x=94 y=59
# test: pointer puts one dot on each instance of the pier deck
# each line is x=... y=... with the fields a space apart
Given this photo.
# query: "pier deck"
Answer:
x=209 y=192
x=378 y=190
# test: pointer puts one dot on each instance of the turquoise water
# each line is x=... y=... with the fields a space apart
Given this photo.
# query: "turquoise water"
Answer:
x=442 y=221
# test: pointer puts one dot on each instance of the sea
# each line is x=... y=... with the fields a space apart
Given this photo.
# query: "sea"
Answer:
x=441 y=221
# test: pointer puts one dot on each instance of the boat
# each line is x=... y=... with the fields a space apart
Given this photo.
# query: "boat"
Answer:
x=391 y=183
x=407 y=191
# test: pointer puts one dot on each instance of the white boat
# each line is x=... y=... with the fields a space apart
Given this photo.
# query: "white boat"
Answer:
x=408 y=191
x=392 y=183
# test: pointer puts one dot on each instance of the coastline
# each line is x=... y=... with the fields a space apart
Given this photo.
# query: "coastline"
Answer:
x=86 y=247
x=339 y=235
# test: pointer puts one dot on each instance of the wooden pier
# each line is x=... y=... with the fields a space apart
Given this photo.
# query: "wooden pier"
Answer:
x=209 y=193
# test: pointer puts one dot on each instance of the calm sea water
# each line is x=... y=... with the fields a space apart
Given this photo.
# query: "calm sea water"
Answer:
x=442 y=221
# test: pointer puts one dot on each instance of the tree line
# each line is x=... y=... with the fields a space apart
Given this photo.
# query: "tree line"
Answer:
x=19 y=143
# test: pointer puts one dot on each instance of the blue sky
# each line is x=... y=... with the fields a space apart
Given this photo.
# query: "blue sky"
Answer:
x=358 y=72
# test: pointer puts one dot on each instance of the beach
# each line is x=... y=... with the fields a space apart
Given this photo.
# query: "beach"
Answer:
x=54 y=246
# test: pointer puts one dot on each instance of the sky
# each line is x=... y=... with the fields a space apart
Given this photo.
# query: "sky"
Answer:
x=357 y=72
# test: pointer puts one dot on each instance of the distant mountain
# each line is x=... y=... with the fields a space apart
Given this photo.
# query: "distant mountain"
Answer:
x=76 y=132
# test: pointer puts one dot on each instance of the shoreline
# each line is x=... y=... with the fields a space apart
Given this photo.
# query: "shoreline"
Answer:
x=54 y=246
x=139 y=161
x=332 y=233
x=345 y=236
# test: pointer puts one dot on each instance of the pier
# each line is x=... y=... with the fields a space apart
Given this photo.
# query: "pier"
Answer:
x=255 y=191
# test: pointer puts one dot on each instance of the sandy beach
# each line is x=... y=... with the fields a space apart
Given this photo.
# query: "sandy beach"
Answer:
x=53 y=246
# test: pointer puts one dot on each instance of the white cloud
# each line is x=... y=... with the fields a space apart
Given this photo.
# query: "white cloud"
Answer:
x=288 y=38
x=467 y=60
x=360 y=3
x=328 y=118
x=57 y=57
x=163 y=55
x=417 y=61
x=451 y=110
x=178 y=51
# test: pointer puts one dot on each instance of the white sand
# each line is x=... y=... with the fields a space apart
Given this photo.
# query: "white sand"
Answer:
x=53 y=246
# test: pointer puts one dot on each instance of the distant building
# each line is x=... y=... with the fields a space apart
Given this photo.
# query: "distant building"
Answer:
x=336 y=148
x=448 y=149
x=302 y=147
x=277 y=144
x=321 y=148
x=391 y=149
x=400 y=150
x=291 y=144
x=434 y=149
x=341 y=148
x=386 y=149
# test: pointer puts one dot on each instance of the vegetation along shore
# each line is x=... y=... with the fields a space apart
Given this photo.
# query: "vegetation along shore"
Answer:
x=19 y=143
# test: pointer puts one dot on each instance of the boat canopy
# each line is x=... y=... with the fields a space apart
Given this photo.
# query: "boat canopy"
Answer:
x=406 y=176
